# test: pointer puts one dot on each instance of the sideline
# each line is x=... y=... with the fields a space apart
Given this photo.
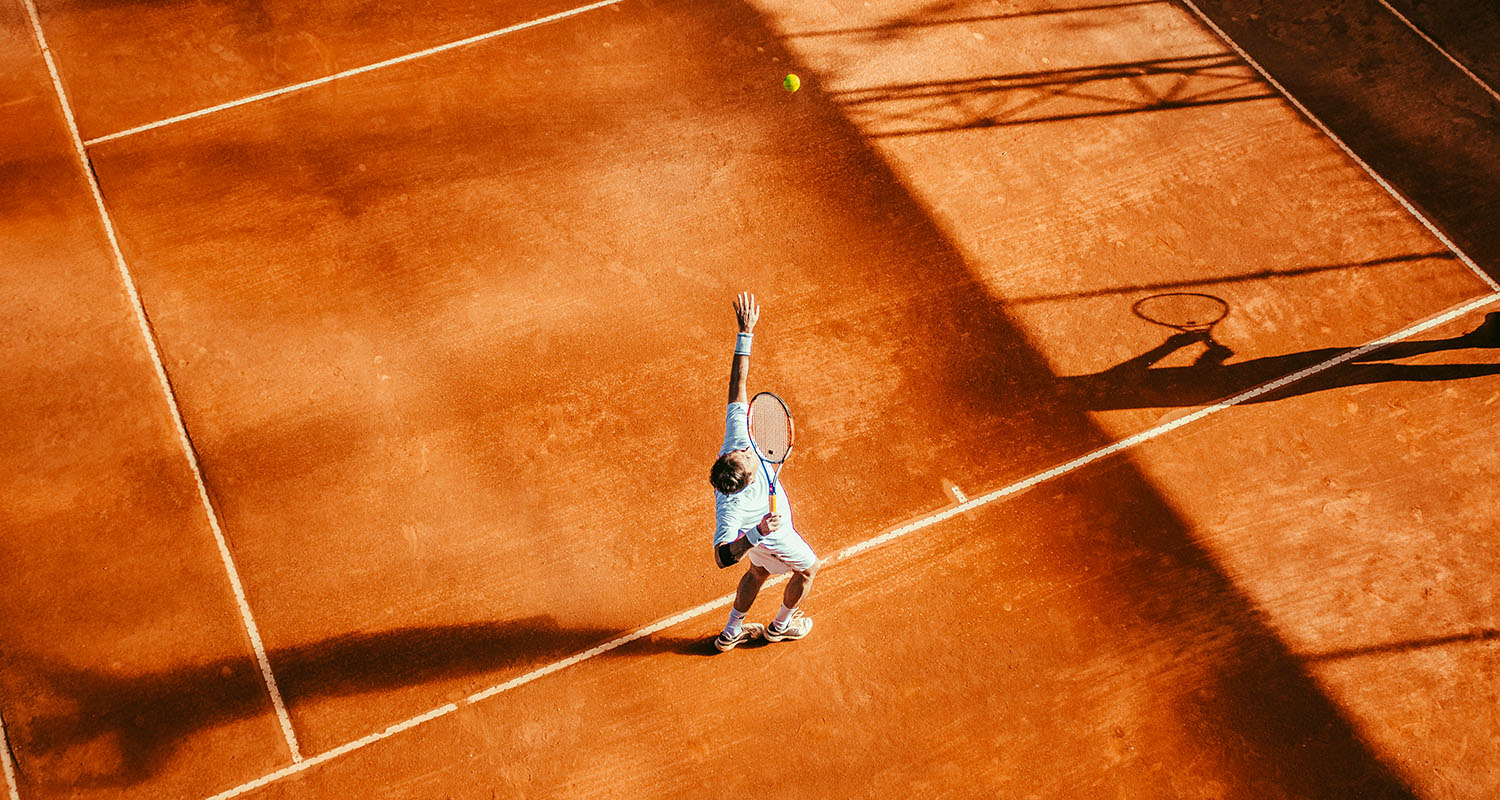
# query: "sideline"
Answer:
x=144 y=323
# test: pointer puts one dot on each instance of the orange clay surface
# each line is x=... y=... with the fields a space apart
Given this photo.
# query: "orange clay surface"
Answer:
x=451 y=339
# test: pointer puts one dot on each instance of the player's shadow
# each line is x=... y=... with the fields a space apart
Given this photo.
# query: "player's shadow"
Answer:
x=127 y=726
x=1139 y=383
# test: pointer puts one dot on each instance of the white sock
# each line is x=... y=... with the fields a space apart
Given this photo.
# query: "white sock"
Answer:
x=736 y=620
x=781 y=617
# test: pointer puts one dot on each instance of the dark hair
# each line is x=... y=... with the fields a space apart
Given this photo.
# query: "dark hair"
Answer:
x=728 y=475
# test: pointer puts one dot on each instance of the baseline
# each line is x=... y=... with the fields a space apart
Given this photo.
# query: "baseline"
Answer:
x=874 y=542
x=348 y=73
x=1317 y=123
x=144 y=324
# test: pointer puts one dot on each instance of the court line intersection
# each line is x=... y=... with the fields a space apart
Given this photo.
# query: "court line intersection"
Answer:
x=876 y=541
x=144 y=324
x=299 y=762
x=348 y=73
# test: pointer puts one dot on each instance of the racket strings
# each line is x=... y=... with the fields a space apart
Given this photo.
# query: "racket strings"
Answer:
x=770 y=430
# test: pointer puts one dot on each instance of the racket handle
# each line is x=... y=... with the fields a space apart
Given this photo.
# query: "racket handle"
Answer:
x=773 y=501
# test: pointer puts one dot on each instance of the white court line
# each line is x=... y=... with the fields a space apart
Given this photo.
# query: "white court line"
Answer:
x=440 y=711
x=166 y=386
x=877 y=541
x=1152 y=433
x=10 y=767
x=297 y=87
x=449 y=708
x=1439 y=48
x=1462 y=256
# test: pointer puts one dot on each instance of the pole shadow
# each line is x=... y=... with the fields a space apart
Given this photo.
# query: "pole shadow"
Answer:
x=1244 y=277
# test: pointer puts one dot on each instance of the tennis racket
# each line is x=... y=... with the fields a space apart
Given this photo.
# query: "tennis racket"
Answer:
x=770 y=435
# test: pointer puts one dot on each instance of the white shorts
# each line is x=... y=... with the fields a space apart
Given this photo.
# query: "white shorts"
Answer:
x=783 y=552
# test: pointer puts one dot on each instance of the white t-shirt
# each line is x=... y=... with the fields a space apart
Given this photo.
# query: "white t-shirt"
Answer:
x=740 y=512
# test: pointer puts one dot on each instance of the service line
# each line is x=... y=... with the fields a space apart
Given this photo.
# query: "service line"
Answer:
x=149 y=339
x=877 y=541
x=1317 y=123
x=348 y=73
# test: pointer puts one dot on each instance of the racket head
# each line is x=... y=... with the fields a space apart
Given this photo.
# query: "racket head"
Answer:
x=1184 y=311
x=770 y=428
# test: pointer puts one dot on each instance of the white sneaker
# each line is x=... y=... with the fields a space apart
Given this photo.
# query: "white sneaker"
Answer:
x=796 y=627
x=748 y=631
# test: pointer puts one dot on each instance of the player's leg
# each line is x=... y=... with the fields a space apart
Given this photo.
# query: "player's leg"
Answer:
x=744 y=595
x=799 y=585
x=737 y=631
x=790 y=623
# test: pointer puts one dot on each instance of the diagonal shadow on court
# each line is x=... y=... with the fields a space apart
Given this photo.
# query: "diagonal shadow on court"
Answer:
x=1250 y=707
x=144 y=717
x=1392 y=98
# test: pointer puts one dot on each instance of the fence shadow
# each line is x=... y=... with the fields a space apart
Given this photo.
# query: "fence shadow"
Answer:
x=1023 y=98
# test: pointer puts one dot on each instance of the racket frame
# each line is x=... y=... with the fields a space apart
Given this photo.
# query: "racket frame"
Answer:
x=1196 y=327
x=755 y=446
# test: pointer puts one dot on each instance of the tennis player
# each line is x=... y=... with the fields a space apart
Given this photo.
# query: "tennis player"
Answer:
x=743 y=522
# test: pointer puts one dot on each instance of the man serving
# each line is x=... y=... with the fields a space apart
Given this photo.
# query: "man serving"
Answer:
x=744 y=523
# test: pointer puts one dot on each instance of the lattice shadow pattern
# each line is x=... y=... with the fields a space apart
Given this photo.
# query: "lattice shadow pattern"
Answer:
x=1052 y=96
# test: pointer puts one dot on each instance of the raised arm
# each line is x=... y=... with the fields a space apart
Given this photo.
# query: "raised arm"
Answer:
x=747 y=312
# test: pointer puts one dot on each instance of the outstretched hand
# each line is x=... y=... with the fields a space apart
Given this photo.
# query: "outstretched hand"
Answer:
x=747 y=311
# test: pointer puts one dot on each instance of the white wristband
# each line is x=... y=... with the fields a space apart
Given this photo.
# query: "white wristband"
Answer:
x=742 y=344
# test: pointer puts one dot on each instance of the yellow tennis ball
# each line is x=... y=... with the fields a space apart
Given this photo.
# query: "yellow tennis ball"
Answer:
x=791 y=83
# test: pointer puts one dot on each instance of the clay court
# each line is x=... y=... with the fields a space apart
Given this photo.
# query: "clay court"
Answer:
x=364 y=366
